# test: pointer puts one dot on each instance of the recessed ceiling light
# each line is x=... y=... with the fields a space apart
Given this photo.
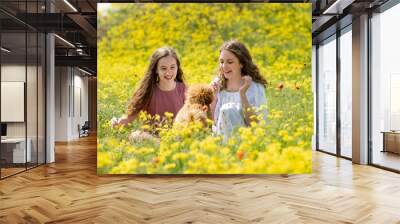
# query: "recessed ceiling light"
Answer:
x=86 y=72
x=70 y=5
x=5 y=49
x=64 y=40
x=338 y=6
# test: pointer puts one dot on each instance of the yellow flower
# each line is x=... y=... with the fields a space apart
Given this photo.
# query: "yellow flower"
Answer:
x=170 y=166
x=126 y=167
x=103 y=159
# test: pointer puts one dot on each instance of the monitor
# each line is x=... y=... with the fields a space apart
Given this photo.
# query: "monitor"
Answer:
x=3 y=129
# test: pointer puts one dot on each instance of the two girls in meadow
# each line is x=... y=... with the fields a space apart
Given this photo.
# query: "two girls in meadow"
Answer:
x=228 y=101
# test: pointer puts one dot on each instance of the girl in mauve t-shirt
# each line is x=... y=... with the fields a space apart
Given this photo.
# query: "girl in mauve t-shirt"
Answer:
x=161 y=90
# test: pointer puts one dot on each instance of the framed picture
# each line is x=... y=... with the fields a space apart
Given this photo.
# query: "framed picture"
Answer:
x=204 y=88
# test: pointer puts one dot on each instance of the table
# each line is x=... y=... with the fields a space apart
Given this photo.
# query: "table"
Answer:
x=16 y=148
x=391 y=141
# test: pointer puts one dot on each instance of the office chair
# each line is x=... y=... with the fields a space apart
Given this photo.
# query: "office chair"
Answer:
x=84 y=130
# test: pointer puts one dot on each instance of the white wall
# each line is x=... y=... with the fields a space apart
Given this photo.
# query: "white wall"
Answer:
x=14 y=72
x=61 y=103
x=70 y=83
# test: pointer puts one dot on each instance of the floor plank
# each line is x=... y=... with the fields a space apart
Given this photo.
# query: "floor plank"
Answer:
x=69 y=191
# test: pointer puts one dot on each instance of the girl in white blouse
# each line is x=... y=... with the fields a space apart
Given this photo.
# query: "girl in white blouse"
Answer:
x=239 y=88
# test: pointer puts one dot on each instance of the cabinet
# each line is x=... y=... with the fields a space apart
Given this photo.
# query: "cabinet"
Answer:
x=391 y=141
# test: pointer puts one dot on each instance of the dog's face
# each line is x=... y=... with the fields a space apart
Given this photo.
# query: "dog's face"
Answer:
x=197 y=105
x=202 y=96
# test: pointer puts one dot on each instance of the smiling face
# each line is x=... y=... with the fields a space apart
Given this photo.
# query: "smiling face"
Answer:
x=229 y=65
x=167 y=69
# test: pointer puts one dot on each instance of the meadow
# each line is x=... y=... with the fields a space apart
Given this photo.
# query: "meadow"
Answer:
x=279 y=39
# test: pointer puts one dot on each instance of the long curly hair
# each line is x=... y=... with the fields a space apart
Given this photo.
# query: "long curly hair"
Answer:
x=243 y=54
x=142 y=96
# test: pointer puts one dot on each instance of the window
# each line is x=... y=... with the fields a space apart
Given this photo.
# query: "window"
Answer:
x=327 y=95
x=346 y=92
x=385 y=87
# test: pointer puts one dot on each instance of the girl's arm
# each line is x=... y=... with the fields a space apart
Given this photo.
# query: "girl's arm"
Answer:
x=216 y=87
x=247 y=110
x=212 y=107
x=124 y=121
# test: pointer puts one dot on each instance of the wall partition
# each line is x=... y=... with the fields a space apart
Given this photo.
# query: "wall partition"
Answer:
x=22 y=88
x=13 y=88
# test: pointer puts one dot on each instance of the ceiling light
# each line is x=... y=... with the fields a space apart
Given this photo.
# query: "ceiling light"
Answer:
x=5 y=49
x=86 y=72
x=71 y=6
x=64 y=40
x=338 y=6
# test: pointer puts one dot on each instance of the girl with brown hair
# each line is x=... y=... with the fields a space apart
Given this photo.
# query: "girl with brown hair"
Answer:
x=239 y=88
x=161 y=90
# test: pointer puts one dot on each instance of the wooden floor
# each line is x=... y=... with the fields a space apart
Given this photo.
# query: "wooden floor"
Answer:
x=69 y=191
x=387 y=159
x=10 y=171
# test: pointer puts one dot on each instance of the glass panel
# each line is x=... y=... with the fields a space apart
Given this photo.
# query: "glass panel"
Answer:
x=327 y=96
x=41 y=99
x=386 y=89
x=15 y=8
x=23 y=83
x=31 y=100
x=13 y=87
x=346 y=94
x=31 y=84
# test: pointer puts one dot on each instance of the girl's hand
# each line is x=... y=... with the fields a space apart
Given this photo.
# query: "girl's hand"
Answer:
x=216 y=85
x=114 y=122
x=247 y=80
x=117 y=121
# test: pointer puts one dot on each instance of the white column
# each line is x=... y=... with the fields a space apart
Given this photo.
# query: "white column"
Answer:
x=360 y=90
x=50 y=92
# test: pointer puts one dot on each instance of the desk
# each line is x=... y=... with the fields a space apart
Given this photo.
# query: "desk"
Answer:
x=16 y=147
x=391 y=141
